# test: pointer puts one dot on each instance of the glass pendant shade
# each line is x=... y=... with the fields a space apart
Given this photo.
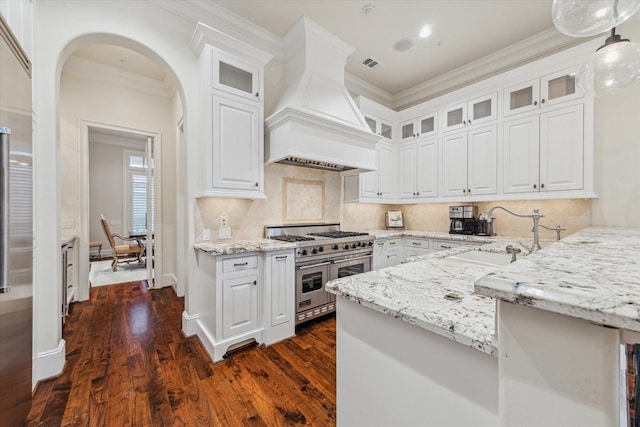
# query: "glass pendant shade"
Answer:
x=611 y=69
x=584 y=18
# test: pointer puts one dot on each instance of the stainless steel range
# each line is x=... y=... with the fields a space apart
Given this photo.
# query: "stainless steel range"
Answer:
x=323 y=253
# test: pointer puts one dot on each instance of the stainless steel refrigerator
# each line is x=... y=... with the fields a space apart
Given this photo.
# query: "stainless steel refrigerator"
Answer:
x=16 y=233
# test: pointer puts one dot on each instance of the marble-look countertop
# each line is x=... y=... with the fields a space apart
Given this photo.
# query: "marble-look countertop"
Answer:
x=389 y=234
x=432 y=292
x=242 y=246
x=593 y=275
x=65 y=240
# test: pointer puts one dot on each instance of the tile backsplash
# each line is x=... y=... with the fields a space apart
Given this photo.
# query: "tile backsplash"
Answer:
x=247 y=218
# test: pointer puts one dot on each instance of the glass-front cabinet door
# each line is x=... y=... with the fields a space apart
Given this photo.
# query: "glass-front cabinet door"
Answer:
x=454 y=117
x=522 y=97
x=482 y=109
x=559 y=87
x=379 y=126
x=236 y=77
x=419 y=127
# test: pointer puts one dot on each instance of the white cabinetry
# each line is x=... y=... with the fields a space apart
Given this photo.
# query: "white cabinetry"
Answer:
x=231 y=84
x=418 y=169
x=377 y=186
x=545 y=152
x=280 y=296
x=541 y=92
x=387 y=253
x=415 y=246
x=420 y=127
x=243 y=298
x=470 y=113
x=379 y=126
x=469 y=163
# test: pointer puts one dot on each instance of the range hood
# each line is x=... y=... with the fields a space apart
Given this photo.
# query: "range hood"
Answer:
x=317 y=124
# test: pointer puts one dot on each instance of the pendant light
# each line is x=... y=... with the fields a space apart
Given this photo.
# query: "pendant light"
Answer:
x=584 y=18
x=614 y=66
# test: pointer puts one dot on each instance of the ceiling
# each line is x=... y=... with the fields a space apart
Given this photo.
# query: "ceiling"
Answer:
x=463 y=31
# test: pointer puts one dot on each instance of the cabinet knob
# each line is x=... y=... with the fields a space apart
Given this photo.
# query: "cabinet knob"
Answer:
x=543 y=101
x=535 y=186
x=257 y=94
x=417 y=194
x=541 y=185
x=255 y=282
x=464 y=122
x=469 y=190
x=535 y=102
x=464 y=190
x=469 y=122
x=257 y=184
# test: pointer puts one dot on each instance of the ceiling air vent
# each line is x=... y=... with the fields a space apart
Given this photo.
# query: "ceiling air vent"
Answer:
x=371 y=63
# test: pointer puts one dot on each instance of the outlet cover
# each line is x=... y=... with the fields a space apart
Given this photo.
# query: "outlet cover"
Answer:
x=224 y=221
x=206 y=234
x=224 y=233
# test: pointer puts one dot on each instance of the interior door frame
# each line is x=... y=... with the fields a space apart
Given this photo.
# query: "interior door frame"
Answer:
x=83 y=238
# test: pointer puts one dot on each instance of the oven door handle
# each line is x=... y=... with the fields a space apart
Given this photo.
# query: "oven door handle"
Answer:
x=351 y=259
x=313 y=266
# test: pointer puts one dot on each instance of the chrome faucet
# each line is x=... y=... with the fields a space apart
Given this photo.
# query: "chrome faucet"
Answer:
x=535 y=216
x=557 y=229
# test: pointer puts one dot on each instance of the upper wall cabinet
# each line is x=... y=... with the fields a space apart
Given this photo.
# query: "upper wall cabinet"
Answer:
x=379 y=126
x=420 y=127
x=470 y=113
x=236 y=77
x=542 y=92
x=231 y=86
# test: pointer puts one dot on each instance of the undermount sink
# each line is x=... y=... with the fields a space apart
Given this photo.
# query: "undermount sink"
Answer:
x=496 y=259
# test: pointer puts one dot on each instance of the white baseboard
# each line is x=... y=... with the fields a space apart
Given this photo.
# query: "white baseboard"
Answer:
x=169 y=280
x=49 y=363
x=190 y=324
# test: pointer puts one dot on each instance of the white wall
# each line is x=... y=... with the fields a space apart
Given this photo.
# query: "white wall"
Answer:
x=617 y=157
x=105 y=190
x=62 y=28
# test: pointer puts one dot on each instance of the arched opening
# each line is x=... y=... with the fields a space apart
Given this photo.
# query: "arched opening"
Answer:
x=114 y=92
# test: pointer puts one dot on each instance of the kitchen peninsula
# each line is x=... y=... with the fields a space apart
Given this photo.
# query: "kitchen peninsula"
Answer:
x=451 y=358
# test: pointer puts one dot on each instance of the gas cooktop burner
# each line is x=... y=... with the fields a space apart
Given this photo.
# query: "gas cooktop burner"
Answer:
x=339 y=234
x=293 y=238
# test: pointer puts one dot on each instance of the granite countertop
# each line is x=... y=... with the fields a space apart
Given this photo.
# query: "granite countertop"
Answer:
x=432 y=292
x=242 y=246
x=66 y=240
x=593 y=275
x=388 y=234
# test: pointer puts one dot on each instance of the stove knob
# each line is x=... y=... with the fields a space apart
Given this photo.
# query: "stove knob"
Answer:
x=353 y=246
x=359 y=244
x=335 y=247
x=304 y=252
x=321 y=249
x=346 y=246
x=314 y=251
x=370 y=244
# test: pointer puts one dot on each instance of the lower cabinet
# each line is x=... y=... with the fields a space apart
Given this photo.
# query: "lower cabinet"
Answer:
x=243 y=299
x=239 y=305
x=416 y=247
x=387 y=253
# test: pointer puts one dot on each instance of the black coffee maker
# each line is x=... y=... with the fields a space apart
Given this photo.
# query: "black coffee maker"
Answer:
x=462 y=219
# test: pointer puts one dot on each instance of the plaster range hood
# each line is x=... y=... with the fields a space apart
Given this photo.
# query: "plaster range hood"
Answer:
x=317 y=124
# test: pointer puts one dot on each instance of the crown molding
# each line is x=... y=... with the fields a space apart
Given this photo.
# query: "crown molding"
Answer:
x=225 y=22
x=92 y=70
x=356 y=86
x=536 y=47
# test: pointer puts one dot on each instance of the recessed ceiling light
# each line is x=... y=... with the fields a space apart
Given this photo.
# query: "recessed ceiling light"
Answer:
x=425 y=32
x=402 y=45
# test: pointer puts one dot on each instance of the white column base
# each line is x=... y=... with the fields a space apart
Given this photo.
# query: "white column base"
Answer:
x=50 y=363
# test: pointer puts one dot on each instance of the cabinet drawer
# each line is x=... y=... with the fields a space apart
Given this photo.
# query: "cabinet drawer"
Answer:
x=239 y=264
x=417 y=244
x=441 y=245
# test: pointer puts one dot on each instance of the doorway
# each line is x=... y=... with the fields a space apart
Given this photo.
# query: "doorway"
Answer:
x=122 y=188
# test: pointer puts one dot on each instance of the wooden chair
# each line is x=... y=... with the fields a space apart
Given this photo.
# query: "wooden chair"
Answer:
x=123 y=253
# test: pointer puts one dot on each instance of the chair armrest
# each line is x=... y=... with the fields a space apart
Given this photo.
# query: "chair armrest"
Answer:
x=128 y=239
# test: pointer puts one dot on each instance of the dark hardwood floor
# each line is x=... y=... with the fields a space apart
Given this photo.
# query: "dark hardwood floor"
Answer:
x=128 y=364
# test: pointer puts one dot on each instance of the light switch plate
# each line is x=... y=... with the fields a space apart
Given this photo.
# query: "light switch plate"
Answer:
x=224 y=233
x=68 y=223
x=206 y=234
x=224 y=221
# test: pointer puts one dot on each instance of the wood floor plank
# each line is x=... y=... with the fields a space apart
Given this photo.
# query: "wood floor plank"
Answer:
x=129 y=364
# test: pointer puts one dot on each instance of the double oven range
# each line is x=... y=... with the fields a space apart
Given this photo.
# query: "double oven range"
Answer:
x=323 y=253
